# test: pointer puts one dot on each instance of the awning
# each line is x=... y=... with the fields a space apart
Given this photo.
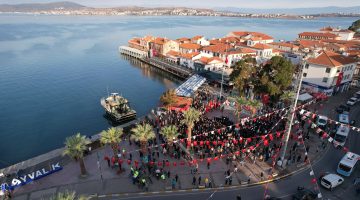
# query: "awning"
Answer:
x=305 y=97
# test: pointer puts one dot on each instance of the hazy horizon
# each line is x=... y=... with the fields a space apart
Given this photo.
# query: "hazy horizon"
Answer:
x=258 y=4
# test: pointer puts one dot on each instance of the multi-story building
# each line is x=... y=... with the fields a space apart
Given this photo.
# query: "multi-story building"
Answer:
x=199 y=39
x=161 y=46
x=328 y=72
x=251 y=38
x=284 y=46
x=343 y=33
x=189 y=47
x=318 y=36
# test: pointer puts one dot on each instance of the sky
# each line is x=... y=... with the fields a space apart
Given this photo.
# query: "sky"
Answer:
x=204 y=3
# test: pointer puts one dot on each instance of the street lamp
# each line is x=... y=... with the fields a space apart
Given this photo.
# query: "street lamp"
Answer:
x=291 y=116
x=222 y=79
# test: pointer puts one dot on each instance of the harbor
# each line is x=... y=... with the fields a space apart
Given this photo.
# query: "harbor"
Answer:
x=171 y=68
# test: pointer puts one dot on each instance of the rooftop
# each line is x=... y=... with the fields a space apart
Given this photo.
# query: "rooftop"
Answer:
x=190 y=46
x=252 y=34
x=331 y=59
x=317 y=34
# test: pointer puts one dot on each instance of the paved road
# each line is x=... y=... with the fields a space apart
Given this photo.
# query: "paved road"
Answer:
x=284 y=188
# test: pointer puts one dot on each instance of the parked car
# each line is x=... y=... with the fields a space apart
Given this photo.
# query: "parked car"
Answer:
x=342 y=108
x=357 y=94
x=304 y=194
x=352 y=101
x=331 y=181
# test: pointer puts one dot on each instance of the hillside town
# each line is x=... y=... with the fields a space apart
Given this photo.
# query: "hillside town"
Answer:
x=330 y=55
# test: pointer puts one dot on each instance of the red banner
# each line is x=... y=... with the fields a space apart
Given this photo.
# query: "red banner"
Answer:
x=340 y=77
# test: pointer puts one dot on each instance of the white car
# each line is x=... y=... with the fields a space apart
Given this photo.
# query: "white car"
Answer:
x=352 y=101
x=331 y=181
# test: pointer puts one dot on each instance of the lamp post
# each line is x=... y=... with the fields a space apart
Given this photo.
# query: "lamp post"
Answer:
x=222 y=79
x=291 y=116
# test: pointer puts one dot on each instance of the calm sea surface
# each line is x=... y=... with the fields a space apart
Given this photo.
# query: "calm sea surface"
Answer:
x=55 y=69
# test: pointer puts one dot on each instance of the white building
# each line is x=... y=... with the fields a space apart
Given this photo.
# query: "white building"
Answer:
x=188 y=59
x=251 y=37
x=328 y=72
x=199 y=39
x=343 y=33
x=209 y=64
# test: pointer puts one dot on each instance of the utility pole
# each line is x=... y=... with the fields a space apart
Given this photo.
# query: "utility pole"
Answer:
x=222 y=79
x=291 y=115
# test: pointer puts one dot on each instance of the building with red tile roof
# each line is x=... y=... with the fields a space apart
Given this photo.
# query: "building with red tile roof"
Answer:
x=189 y=47
x=318 y=36
x=328 y=72
x=284 y=46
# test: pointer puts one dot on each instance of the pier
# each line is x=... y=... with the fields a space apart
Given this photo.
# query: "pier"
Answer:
x=171 y=68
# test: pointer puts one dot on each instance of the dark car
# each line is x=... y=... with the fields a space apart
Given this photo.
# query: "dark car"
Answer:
x=304 y=194
x=342 y=108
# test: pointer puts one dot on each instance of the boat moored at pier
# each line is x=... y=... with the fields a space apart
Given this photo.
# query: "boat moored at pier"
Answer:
x=117 y=108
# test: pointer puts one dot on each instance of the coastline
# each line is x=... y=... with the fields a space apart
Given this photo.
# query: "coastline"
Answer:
x=55 y=154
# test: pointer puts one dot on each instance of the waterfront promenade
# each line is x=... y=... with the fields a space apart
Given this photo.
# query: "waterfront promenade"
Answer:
x=103 y=181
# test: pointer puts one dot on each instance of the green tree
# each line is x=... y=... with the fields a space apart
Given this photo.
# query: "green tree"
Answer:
x=287 y=96
x=355 y=26
x=68 y=196
x=190 y=117
x=112 y=137
x=74 y=147
x=170 y=133
x=168 y=98
x=142 y=133
x=276 y=76
x=243 y=74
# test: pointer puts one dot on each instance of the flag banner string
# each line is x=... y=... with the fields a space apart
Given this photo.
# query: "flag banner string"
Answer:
x=249 y=149
x=306 y=113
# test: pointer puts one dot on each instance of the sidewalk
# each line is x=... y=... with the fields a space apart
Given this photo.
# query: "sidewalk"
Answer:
x=113 y=183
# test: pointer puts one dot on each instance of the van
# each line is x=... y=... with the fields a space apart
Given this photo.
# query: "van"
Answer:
x=341 y=135
x=331 y=181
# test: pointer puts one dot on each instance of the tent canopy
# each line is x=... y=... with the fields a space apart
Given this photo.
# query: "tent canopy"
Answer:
x=305 y=97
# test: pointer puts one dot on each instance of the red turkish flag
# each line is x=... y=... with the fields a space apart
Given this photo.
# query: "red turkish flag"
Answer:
x=340 y=77
x=266 y=143
x=271 y=137
x=174 y=164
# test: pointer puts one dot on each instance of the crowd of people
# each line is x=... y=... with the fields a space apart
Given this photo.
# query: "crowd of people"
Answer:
x=259 y=138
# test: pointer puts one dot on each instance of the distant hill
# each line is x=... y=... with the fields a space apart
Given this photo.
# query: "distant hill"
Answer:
x=65 y=5
x=294 y=11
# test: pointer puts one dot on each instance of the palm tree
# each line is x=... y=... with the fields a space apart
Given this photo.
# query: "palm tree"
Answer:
x=143 y=133
x=68 y=196
x=190 y=117
x=113 y=137
x=168 y=98
x=287 y=96
x=74 y=147
x=171 y=133
x=241 y=101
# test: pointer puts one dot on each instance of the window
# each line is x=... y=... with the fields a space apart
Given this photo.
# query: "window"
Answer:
x=304 y=74
x=325 y=79
x=327 y=70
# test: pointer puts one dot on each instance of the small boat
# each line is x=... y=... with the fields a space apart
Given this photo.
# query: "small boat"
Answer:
x=117 y=108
